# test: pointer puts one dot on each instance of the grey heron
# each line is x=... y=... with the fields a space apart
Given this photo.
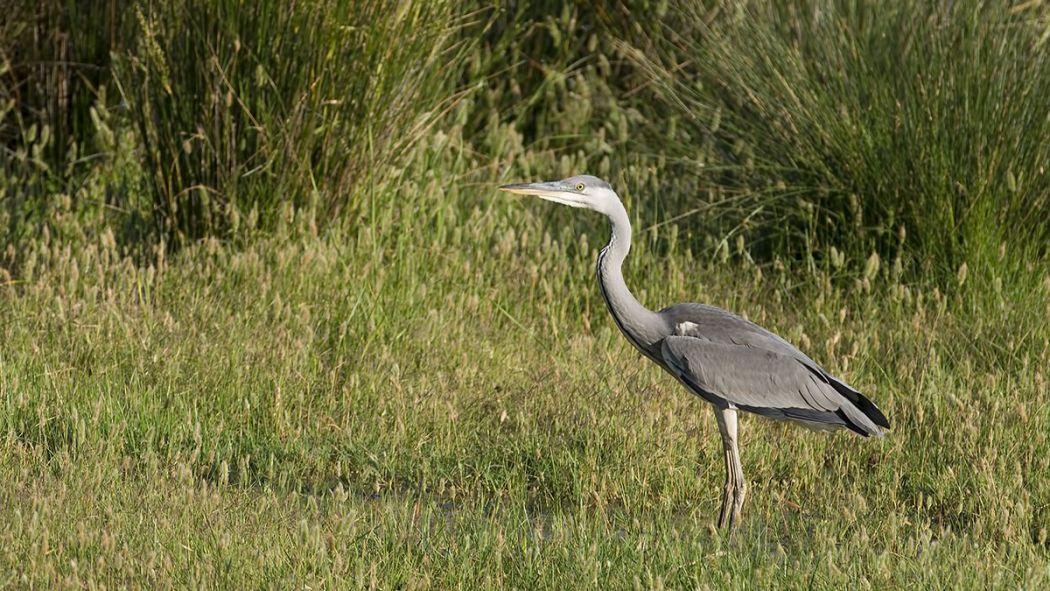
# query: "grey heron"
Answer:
x=730 y=362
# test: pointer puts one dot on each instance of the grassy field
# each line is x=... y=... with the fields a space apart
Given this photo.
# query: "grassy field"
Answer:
x=441 y=401
x=409 y=380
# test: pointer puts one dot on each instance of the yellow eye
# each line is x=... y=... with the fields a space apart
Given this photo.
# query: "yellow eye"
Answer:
x=579 y=187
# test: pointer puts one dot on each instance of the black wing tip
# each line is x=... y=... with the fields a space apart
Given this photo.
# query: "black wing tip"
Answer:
x=872 y=412
x=862 y=430
x=859 y=400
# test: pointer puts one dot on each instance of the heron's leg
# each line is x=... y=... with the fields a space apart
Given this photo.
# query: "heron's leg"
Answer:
x=736 y=486
x=727 y=492
x=740 y=484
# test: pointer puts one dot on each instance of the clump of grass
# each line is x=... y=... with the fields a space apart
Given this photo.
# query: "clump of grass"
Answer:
x=54 y=56
x=843 y=123
x=245 y=106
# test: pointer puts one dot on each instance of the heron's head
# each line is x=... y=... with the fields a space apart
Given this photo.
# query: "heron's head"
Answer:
x=586 y=191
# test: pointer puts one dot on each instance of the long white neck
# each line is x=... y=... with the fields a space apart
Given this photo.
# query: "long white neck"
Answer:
x=643 y=327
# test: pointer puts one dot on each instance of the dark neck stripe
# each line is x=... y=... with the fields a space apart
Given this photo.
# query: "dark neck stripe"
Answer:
x=608 y=302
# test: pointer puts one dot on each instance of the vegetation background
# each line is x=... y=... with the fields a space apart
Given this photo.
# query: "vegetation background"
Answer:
x=264 y=320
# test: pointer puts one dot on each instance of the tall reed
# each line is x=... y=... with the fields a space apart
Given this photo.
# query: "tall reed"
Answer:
x=862 y=125
x=245 y=106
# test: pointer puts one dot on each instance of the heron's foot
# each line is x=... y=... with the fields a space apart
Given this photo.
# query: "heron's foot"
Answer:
x=738 y=503
x=736 y=486
x=727 y=506
x=732 y=503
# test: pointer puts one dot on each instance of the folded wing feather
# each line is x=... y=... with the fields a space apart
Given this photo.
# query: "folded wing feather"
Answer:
x=754 y=369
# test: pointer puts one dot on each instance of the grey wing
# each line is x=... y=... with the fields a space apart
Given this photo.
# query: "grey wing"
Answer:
x=730 y=361
x=720 y=326
x=715 y=324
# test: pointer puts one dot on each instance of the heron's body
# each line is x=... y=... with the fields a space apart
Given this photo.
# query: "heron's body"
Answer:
x=728 y=361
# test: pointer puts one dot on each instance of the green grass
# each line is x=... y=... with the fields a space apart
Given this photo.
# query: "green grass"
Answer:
x=243 y=107
x=440 y=400
x=360 y=366
x=837 y=123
